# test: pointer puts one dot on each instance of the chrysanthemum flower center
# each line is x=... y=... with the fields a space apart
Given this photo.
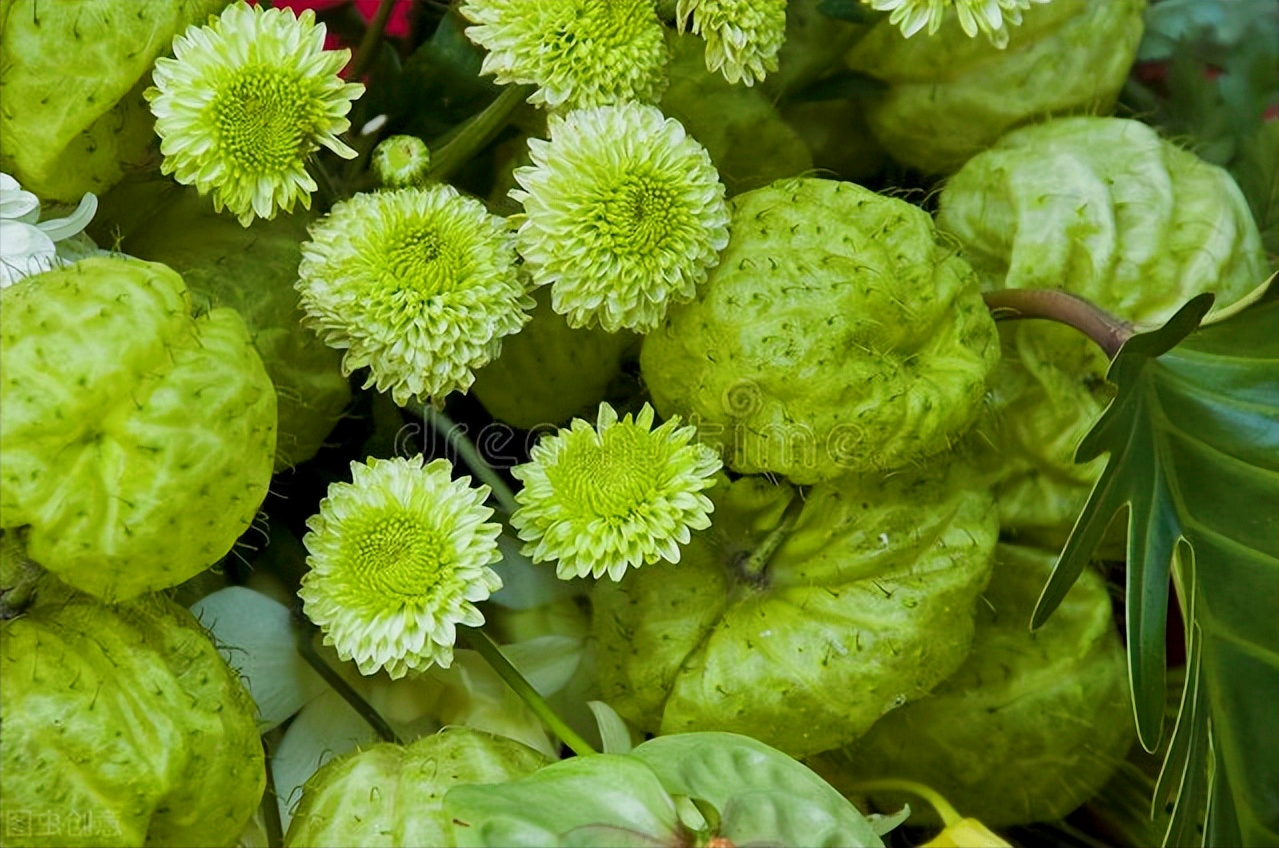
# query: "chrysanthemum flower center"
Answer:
x=599 y=25
x=611 y=479
x=424 y=259
x=261 y=119
x=397 y=554
x=639 y=213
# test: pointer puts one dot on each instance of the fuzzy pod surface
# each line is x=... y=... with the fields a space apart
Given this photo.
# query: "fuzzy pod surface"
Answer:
x=120 y=725
x=253 y=271
x=392 y=795
x=867 y=604
x=549 y=372
x=951 y=96
x=137 y=439
x=1030 y=727
x=1105 y=209
x=73 y=118
x=836 y=335
x=739 y=126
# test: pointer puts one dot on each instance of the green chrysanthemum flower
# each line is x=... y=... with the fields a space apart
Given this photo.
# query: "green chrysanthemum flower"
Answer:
x=418 y=284
x=401 y=160
x=625 y=214
x=577 y=52
x=247 y=100
x=617 y=495
x=742 y=36
x=990 y=17
x=398 y=558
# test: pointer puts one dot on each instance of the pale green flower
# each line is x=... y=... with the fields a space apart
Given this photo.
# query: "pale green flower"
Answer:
x=742 y=37
x=245 y=102
x=401 y=160
x=620 y=494
x=990 y=17
x=399 y=557
x=577 y=52
x=418 y=284
x=624 y=215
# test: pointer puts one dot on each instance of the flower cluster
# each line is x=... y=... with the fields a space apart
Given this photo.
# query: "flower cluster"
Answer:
x=417 y=284
x=624 y=215
x=742 y=37
x=620 y=494
x=577 y=52
x=399 y=557
x=245 y=103
x=990 y=17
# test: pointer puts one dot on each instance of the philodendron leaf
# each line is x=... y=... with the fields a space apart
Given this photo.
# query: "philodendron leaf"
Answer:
x=603 y=799
x=734 y=772
x=1193 y=438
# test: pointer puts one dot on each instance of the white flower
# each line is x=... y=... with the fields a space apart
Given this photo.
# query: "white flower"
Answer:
x=27 y=245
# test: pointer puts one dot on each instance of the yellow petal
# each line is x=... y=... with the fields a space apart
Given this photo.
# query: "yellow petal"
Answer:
x=967 y=833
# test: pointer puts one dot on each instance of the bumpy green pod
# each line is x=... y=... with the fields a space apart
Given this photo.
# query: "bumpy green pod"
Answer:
x=951 y=96
x=253 y=271
x=1147 y=225
x=392 y=795
x=836 y=335
x=74 y=118
x=867 y=604
x=136 y=440
x=738 y=125
x=121 y=726
x=1030 y=727
x=549 y=372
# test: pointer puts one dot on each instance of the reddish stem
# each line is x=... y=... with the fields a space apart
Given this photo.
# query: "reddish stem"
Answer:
x=1107 y=331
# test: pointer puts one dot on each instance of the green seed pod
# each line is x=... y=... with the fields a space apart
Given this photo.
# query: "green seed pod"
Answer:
x=835 y=335
x=253 y=271
x=392 y=795
x=549 y=372
x=738 y=125
x=1030 y=727
x=73 y=73
x=120 y=725
x=136 y=439
x=951 y=96
x=1149 y=226
x=867 y=604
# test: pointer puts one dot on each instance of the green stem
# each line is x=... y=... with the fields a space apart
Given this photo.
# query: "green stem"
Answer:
x=372 y=39
x=476 y=133
x=479 y=642
x=271 y=804
x=1107 y=331
x=307 y=649
x=758 y=562
x=949 y=815
x=467 y=452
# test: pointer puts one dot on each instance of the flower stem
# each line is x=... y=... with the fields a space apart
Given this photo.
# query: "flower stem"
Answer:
x=1107 y=331
x=467 y=452
x=477 y=132
x=759 y=558
x=270 y=804
x=307 y=649
x=479 y=641
x=949 y=815
x=372 y=39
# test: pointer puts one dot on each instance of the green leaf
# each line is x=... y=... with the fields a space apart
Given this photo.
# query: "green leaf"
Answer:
x=1193 y=438
x=614 y=733
x=763 y=795
x=603 y=799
